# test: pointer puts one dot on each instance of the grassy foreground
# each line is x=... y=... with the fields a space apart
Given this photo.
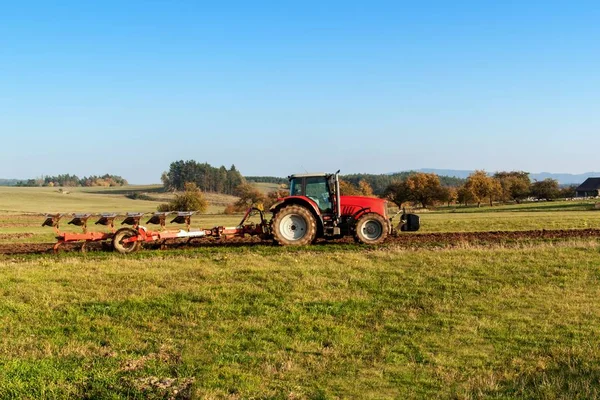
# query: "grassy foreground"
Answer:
x=268 y=322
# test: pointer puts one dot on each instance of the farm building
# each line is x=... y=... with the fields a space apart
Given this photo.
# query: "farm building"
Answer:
x=589 y=188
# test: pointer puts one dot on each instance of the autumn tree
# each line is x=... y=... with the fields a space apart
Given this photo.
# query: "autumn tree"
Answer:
x=425 y=188
x=249 y=196
x=547 y=189
x=482 y=186
x=348 y=189
x=449 y=195
x=272 y=197
x=568 y=192
x=363 y=188
x=465 y=195
x=420 y=187
x=397 y=192
x=514 y=185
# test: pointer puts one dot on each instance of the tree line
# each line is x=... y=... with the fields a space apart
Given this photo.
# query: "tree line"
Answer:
x=424 y=189
x=8 y=182
x=427 y=189
x=206 y=177
x=67 y=180
x=266 y=179
x=378 y=182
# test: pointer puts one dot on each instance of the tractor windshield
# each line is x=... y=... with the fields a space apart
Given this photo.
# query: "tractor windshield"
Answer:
x=315 y=188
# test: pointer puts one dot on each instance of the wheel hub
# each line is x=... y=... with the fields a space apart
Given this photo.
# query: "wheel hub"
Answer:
x=293 y=227
x=372 y=230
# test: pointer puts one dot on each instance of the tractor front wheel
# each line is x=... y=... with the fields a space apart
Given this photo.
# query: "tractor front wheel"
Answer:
x=294 y=226
x=120 y=243
x=371 y=228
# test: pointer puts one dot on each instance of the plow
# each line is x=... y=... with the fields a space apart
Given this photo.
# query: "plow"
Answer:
x=130 y=238
x=314 y=209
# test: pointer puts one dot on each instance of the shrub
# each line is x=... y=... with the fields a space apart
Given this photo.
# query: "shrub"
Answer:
x=230 y=209
x=191 y=199
x=249 y=196
x=138 y=196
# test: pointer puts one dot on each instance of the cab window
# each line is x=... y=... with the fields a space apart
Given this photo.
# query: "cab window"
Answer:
x=318 y=191
x=296 y=187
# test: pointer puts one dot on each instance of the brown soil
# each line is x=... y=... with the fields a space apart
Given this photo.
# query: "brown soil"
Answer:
x=454 y=238
x=448 y=239
x=4 y=236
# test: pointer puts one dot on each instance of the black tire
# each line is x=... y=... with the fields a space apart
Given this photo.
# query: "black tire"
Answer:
x=107 y=245
x=294 y=226
x=371 y=228
x=125 y=248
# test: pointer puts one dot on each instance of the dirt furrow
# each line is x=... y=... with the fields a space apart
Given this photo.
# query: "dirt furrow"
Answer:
x=404 y=240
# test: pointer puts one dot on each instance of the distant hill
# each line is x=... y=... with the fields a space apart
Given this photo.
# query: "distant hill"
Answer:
x=562 y=178
x=8 y=182
x=565 y=179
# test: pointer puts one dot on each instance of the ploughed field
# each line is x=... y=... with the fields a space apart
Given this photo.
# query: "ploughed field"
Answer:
x=481 y=303
x=20 y=245
x=22 y=233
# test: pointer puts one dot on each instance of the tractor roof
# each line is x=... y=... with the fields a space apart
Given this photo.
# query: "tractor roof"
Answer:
x=309 y=175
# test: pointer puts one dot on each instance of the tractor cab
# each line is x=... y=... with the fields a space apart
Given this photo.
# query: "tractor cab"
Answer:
x=321 y=188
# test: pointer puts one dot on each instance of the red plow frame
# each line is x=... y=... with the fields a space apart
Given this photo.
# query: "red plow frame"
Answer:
x=129 y=239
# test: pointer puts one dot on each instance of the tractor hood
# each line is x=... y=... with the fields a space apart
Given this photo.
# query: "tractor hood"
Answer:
x=356 y=205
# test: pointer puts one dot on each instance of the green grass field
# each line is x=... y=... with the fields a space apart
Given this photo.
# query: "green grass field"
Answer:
x=52 y=200
x=509 y=221
x=273 y=322
x=512 y=320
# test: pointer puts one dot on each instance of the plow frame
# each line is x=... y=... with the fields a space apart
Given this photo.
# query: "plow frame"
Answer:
x=83 y=237
x=129 y=239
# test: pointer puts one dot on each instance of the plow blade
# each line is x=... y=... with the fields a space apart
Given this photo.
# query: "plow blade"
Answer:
x=107 y=219
x=159 y=218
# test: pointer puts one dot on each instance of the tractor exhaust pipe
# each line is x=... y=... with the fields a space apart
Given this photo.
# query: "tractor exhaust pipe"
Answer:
x=338 y=199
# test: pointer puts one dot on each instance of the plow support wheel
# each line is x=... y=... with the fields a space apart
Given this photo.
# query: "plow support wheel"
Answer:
x=121 y=241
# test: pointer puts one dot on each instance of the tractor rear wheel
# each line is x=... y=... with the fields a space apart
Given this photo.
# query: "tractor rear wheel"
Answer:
x=294 y=226
x=371 y=228
x=125 y=247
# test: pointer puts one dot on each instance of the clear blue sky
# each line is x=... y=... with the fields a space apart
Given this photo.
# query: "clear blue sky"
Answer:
x=127 y=87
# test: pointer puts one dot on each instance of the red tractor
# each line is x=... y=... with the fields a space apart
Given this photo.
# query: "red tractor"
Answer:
x=316 y=209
